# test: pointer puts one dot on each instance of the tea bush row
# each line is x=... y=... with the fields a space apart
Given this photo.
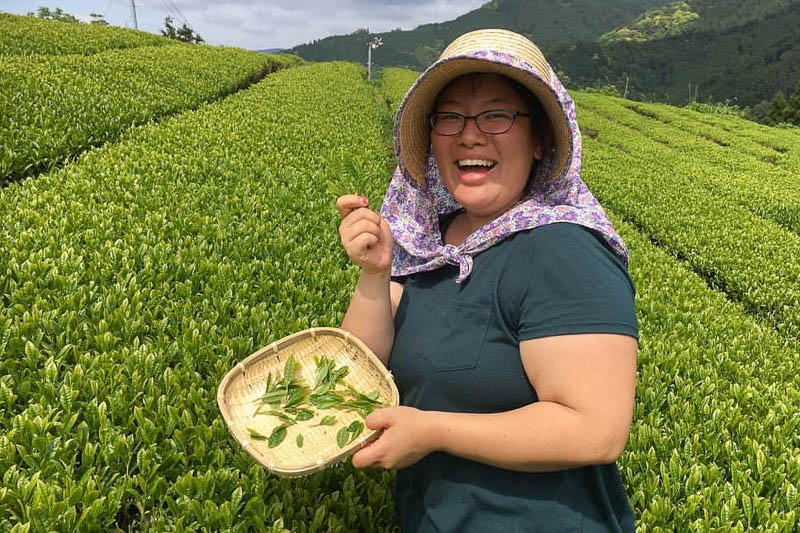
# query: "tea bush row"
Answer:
x=752 y=259
x=133 y=280
x=394 y=83
x=55 y=107
x=23 y=35
x=715 y=444
x=762 y=177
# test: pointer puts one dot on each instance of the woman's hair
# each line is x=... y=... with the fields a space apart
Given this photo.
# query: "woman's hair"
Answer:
x=541 y=126
x=540 y=123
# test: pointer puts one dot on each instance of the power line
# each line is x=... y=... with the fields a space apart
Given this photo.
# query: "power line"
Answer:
x=172 y=8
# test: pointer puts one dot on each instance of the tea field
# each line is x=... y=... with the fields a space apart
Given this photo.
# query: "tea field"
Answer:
x=134 y=274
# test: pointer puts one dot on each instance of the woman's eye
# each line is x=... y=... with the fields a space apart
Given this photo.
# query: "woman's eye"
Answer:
x=496 y=115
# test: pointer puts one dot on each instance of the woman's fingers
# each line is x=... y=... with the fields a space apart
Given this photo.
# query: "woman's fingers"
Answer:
x=348 y=203
x=364 y=234
x=352 y=226
x=360 y=244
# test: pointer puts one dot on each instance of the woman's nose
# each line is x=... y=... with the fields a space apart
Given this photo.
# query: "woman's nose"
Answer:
x=471 y=134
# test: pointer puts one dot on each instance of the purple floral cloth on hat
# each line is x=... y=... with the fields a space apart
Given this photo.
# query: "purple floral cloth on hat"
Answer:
x=412 y=211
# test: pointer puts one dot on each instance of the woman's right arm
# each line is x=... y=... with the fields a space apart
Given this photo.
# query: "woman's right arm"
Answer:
x=367 y=239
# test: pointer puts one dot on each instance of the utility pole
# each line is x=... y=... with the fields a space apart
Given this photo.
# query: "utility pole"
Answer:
x=374 y=43
x=133 y=10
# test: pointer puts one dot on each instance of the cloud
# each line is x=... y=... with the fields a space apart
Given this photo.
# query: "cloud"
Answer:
x=285 y=23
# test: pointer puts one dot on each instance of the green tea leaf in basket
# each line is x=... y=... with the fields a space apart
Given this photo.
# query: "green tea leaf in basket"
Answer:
x=363 y=404
x=288 y=371
x=355 y=429
x=324 y=367
x=339 y=373
x=326 y=401
x=277 y=436
x=286 y=419
x=296 y=396
x=327 y=421
x=299 y=441
x=342 y=436
x=273 y=398
x=304 y=414
x=255 y=435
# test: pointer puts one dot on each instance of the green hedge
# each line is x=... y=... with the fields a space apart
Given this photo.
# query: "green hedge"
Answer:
x=394 y=83
x=55 y=107
x=667 y=194
x=762 y=176
x=132 y=282
x=29 y=35
x=715 y=443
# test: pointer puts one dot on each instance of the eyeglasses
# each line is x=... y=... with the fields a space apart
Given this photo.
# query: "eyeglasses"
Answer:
x=492 y=122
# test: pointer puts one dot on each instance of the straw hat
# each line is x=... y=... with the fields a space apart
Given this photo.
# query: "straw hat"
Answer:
x=492 y=51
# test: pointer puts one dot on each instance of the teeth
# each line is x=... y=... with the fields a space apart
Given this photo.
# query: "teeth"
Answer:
x=476 y=163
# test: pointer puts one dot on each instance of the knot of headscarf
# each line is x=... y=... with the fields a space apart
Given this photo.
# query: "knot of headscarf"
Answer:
x=453 y=256
x=413 y=210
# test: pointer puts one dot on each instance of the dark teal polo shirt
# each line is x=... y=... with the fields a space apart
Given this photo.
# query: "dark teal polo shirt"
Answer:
x=456 y=349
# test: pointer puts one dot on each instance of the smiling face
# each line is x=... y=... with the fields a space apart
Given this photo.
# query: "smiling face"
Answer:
x=485 y=173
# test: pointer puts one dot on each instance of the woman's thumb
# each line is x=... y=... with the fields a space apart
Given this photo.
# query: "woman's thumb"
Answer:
x=377 y=419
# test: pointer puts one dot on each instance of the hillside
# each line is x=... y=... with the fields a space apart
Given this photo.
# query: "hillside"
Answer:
x=724 y=49
x=686 y=16
x=749 y=62
x=546 y=22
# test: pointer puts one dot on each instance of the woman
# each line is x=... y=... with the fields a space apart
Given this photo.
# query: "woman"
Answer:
x=495 y=289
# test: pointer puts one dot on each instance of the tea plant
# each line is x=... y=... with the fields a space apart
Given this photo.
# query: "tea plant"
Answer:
x=29 y=35
x=54 y=108
x=133 y=280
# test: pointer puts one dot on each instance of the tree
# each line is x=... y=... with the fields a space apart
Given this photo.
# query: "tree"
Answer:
x=793 y=107
x=184 y=33
x=56 y=14
x=777 y=111
x=98 y=19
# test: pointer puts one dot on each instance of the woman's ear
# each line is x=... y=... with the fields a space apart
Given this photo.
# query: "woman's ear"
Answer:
x=537 y=149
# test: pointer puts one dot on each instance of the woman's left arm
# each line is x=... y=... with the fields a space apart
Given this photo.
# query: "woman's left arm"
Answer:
x=585 y=384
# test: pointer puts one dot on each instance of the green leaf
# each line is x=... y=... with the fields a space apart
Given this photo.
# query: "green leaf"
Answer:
x=286 y=419
x=304 y=414
x=326 y=401
x=277 y=436
x=342 y=436
x=327 y=421
x=255 y=435
x=289 y=369
x=299 y=440
x=355 y=429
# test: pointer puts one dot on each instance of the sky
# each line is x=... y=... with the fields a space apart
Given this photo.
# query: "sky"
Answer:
x=258 y=25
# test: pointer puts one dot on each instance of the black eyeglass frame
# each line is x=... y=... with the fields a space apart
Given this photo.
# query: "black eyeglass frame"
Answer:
x=464 y=118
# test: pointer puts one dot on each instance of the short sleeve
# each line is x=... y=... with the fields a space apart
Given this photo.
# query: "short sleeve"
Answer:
x=574 y=284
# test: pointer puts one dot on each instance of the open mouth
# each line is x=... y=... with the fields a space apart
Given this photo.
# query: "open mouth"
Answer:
x=476 y=165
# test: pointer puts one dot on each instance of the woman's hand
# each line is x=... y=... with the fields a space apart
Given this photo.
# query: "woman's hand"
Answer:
x=365 y=235
x=405 y=439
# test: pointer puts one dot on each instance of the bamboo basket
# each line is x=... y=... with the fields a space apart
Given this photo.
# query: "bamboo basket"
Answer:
x=240 y=390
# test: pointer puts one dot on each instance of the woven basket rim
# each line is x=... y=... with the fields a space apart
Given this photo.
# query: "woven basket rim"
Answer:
x=273 y=350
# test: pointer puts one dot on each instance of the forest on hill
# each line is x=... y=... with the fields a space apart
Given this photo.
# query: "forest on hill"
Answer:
x=749 y=62
x=673 y=52
x=546 y=22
